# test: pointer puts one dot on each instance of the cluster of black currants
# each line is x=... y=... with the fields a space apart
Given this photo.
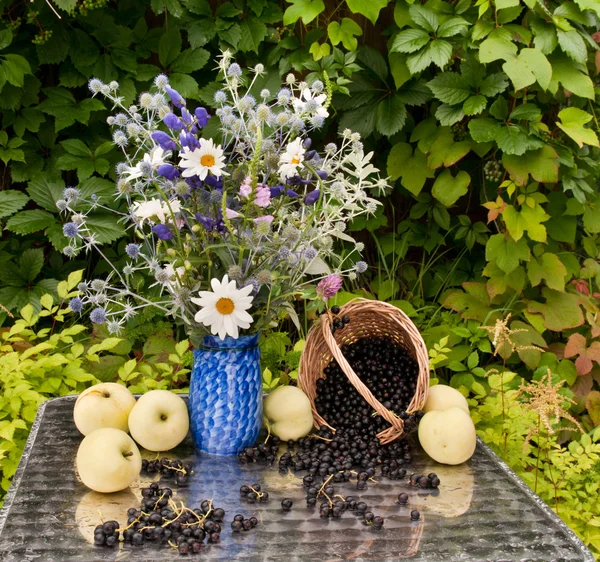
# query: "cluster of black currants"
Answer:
x=266 y=452
x=338 y=323
x=107 y=534
x=415 y=515
x=159 y=520
x=169 y=468
x=240 y=523
x=386 y=369
x=429 y=482
x=253 y=493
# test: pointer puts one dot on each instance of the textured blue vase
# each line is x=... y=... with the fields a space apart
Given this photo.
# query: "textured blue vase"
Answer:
x=225 y=401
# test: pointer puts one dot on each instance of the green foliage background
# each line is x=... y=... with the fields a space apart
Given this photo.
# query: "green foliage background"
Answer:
x=482 y=112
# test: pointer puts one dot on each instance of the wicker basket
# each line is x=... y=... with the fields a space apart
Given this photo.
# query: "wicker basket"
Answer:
x=367 y=318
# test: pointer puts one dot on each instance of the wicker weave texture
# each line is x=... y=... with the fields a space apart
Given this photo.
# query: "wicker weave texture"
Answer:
x=368 y=318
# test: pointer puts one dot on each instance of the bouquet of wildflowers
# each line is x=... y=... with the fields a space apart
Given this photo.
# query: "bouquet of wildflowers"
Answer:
x=230 y=232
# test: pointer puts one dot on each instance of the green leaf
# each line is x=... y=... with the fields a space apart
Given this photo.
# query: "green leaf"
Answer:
x=62 y=105
x=529 y=66
x=391 y=116
x=506 y=252
x=545 y=38
x=190 y=60
x=410 y=168
x=573 y=45
x=573 y=121
x=561 y=311
x=548 y=267
x=496 y=47
x=446 y=151
x=512 y=140
x=253 y=34
x=184 y=84
x=31 y=263
x=525 y=112
x=572 y=76
x=368 y=8
x=424 y=17
x=447 y=190
x=199 y=7
x=399 y=69
x=307 y=10
x=475 y=105
x=11 y=201
x=26 y=222
x=6 y=38
x=169 y=46
x=484 y=129
x=14 y=68
x=448 y=114
x=542 y=164
x=46 y=191
x=105 y=227
x=527 y=219
x=592 y=5
x=373 y=60
x=346 y=33
x=409 y=41
x=440 y=52
x=450 y=87
x=201 y=32
x=452 y=26
x=493 y=85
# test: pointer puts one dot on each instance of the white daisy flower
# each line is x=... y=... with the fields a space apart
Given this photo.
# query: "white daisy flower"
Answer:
x=155 y=209
x=290 y=159
x=154 y=158
x=200 y=161
x=224 y=308
x=311 y=104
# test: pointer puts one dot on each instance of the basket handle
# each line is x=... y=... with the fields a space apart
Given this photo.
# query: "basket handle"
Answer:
x=397 y=424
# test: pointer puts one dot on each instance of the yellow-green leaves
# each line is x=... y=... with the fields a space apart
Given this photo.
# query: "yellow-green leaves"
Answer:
x=528 y=67
x=368 y=8
x=542 y=164
x=571 y=76
x=573 y=121
x=307 y=10
x=447 y=189
x=344 y=32
x=410 y=168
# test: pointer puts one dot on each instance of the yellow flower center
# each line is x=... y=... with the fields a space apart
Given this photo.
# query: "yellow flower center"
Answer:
x=225 y=306
x=296 y=159
x=207 y=160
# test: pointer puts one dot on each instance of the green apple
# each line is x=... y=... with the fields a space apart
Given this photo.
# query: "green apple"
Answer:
x=103 y=405
x=442 y=397
x=159 y=421
x=108 y=460
x=288 y=413
x=448 y=436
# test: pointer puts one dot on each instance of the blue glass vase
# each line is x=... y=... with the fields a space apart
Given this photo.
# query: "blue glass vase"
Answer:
x=225 y=401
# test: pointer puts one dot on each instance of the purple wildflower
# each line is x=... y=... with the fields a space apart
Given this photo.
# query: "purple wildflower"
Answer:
x=162 y=231
x=312 y=197
x=186 y=116
x=276 y=191
x=70 y=229
x=175 y=96
x=327 y=288
x=76 y=304
x=202 y=116
x=163 y=140
x=168 y=171
x=132 y=250
x=291 y=193
x=173 y=122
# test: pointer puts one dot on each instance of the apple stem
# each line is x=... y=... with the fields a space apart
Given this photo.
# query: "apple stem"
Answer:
x=130 y=454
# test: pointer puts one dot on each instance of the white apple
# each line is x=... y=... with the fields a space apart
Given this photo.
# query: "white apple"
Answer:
x=442 y=397
x=448 y=436
x=113 y=507
x=103 y=405
x=288 y=413
x=108 y=460
x=159 y=420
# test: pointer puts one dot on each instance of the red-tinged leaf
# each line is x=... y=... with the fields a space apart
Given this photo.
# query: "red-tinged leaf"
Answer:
x=597 y=62
x=583 y=365
x=577 y=345
x=582 y=387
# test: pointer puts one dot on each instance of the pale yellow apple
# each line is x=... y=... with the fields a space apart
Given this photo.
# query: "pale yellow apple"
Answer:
x=456 y=490
x=288 y=413
x=108 y=460
x=94 y=507
x=448 y=436
x=159 y=420
x=103 y=405
x=442 y=397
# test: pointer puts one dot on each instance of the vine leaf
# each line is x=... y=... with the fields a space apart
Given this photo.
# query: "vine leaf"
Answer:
x=447 y=189
x=346 y=33
x=573 y=122
x=368 y=8
x=561 y=311
x=307 y=10
x=577 y=346
x=542 y=164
